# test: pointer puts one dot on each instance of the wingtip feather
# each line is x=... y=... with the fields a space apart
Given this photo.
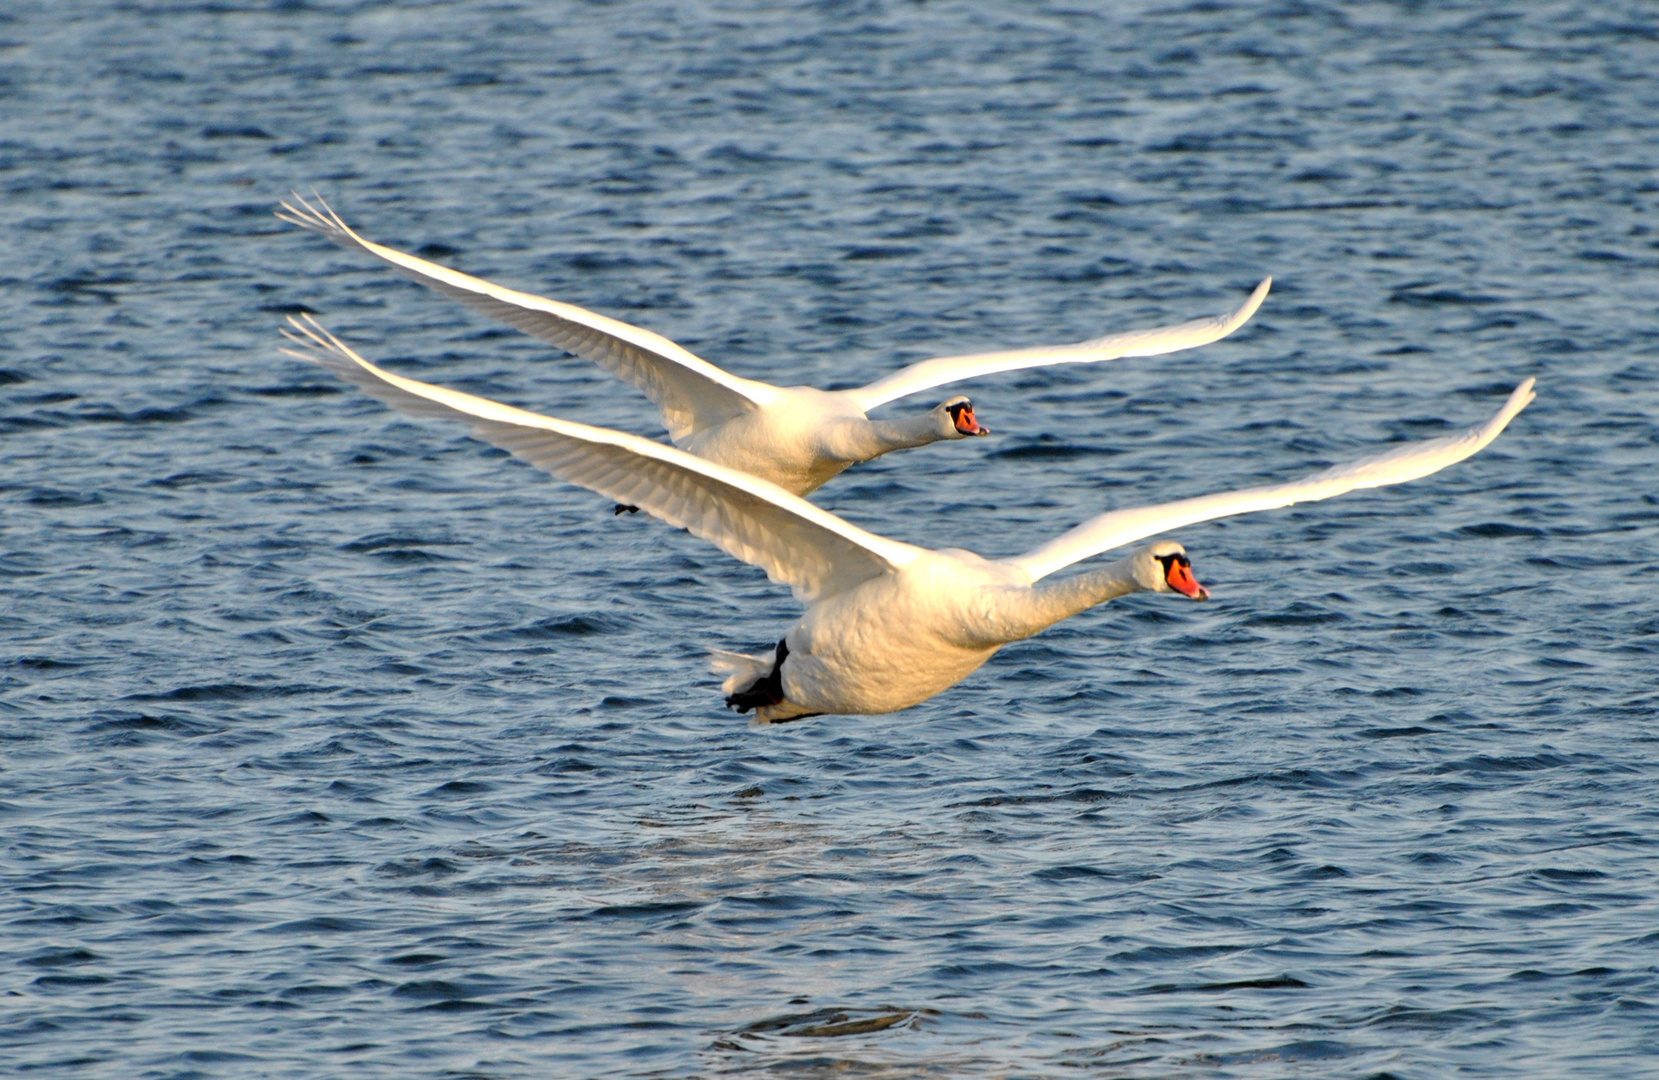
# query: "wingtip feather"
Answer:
x=319 y=345
x=1245 y=311
x=298 y=210
x=1519 y=398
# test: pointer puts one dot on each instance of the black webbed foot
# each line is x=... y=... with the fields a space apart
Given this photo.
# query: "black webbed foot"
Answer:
x=625 y=508
x=762 y=692
x=803 y=716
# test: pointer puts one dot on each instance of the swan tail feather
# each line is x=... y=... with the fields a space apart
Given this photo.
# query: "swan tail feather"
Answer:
x=758 y=684
x=741 y=669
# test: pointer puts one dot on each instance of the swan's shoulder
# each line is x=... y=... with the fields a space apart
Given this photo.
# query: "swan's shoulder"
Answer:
x=809 y=401
x=959 y=565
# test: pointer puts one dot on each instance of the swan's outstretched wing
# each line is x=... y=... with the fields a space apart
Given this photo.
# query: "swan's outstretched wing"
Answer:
x=1407 y=462
x=1162 y=339
x=691 y=392
x=815 y=552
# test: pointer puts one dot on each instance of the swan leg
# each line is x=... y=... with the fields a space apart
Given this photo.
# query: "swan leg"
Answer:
x=625 y=508
x=765 y=690
x=793 y=716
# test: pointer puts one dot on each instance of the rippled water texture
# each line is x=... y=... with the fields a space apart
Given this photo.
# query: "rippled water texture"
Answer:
x=337 y=744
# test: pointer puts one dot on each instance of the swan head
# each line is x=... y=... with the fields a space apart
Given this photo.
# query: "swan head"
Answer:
x=1164 y=567
x=956 y=419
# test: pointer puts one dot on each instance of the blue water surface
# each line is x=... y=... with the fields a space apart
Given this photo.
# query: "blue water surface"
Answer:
x=340 y=744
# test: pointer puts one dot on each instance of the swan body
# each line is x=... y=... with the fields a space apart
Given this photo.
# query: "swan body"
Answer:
x=887 y=624
x=809 y=436
x=797 y=437
x=901 y=638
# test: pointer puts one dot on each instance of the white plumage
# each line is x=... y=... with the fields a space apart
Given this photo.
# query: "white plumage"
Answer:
x=798 y=437
x=887 y=624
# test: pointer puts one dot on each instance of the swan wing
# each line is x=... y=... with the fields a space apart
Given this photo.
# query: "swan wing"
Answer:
x=692 y=393
x=812 y=550
x=1163 y=339
x=1394 y=466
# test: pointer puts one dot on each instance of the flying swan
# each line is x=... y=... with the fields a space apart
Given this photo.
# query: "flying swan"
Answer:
x=797 y=437
x=887 y=624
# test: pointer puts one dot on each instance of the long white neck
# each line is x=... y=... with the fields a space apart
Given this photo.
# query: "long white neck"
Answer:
x=861 y=440
x=1019 y=613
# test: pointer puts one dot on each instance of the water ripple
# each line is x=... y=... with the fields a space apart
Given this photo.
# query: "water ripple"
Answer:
x=338 y=743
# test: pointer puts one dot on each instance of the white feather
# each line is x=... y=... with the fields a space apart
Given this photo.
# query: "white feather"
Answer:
x=818 y=554
x=797 y=437
x=1394 y=466
x=691 y=392
x=941 y=370
x=887 y=624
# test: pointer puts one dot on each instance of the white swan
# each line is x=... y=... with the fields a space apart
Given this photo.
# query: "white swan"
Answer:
x=797 y=437
x=887 y=624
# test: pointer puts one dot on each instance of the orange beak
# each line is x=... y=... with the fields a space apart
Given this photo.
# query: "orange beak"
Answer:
x=1181 y=580
x=967 y=425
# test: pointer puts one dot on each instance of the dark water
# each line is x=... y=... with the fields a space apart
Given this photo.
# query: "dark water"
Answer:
x=341 y=745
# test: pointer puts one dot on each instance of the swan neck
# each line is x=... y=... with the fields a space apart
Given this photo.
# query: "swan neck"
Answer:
x=861 y=440
x=1048 y=602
